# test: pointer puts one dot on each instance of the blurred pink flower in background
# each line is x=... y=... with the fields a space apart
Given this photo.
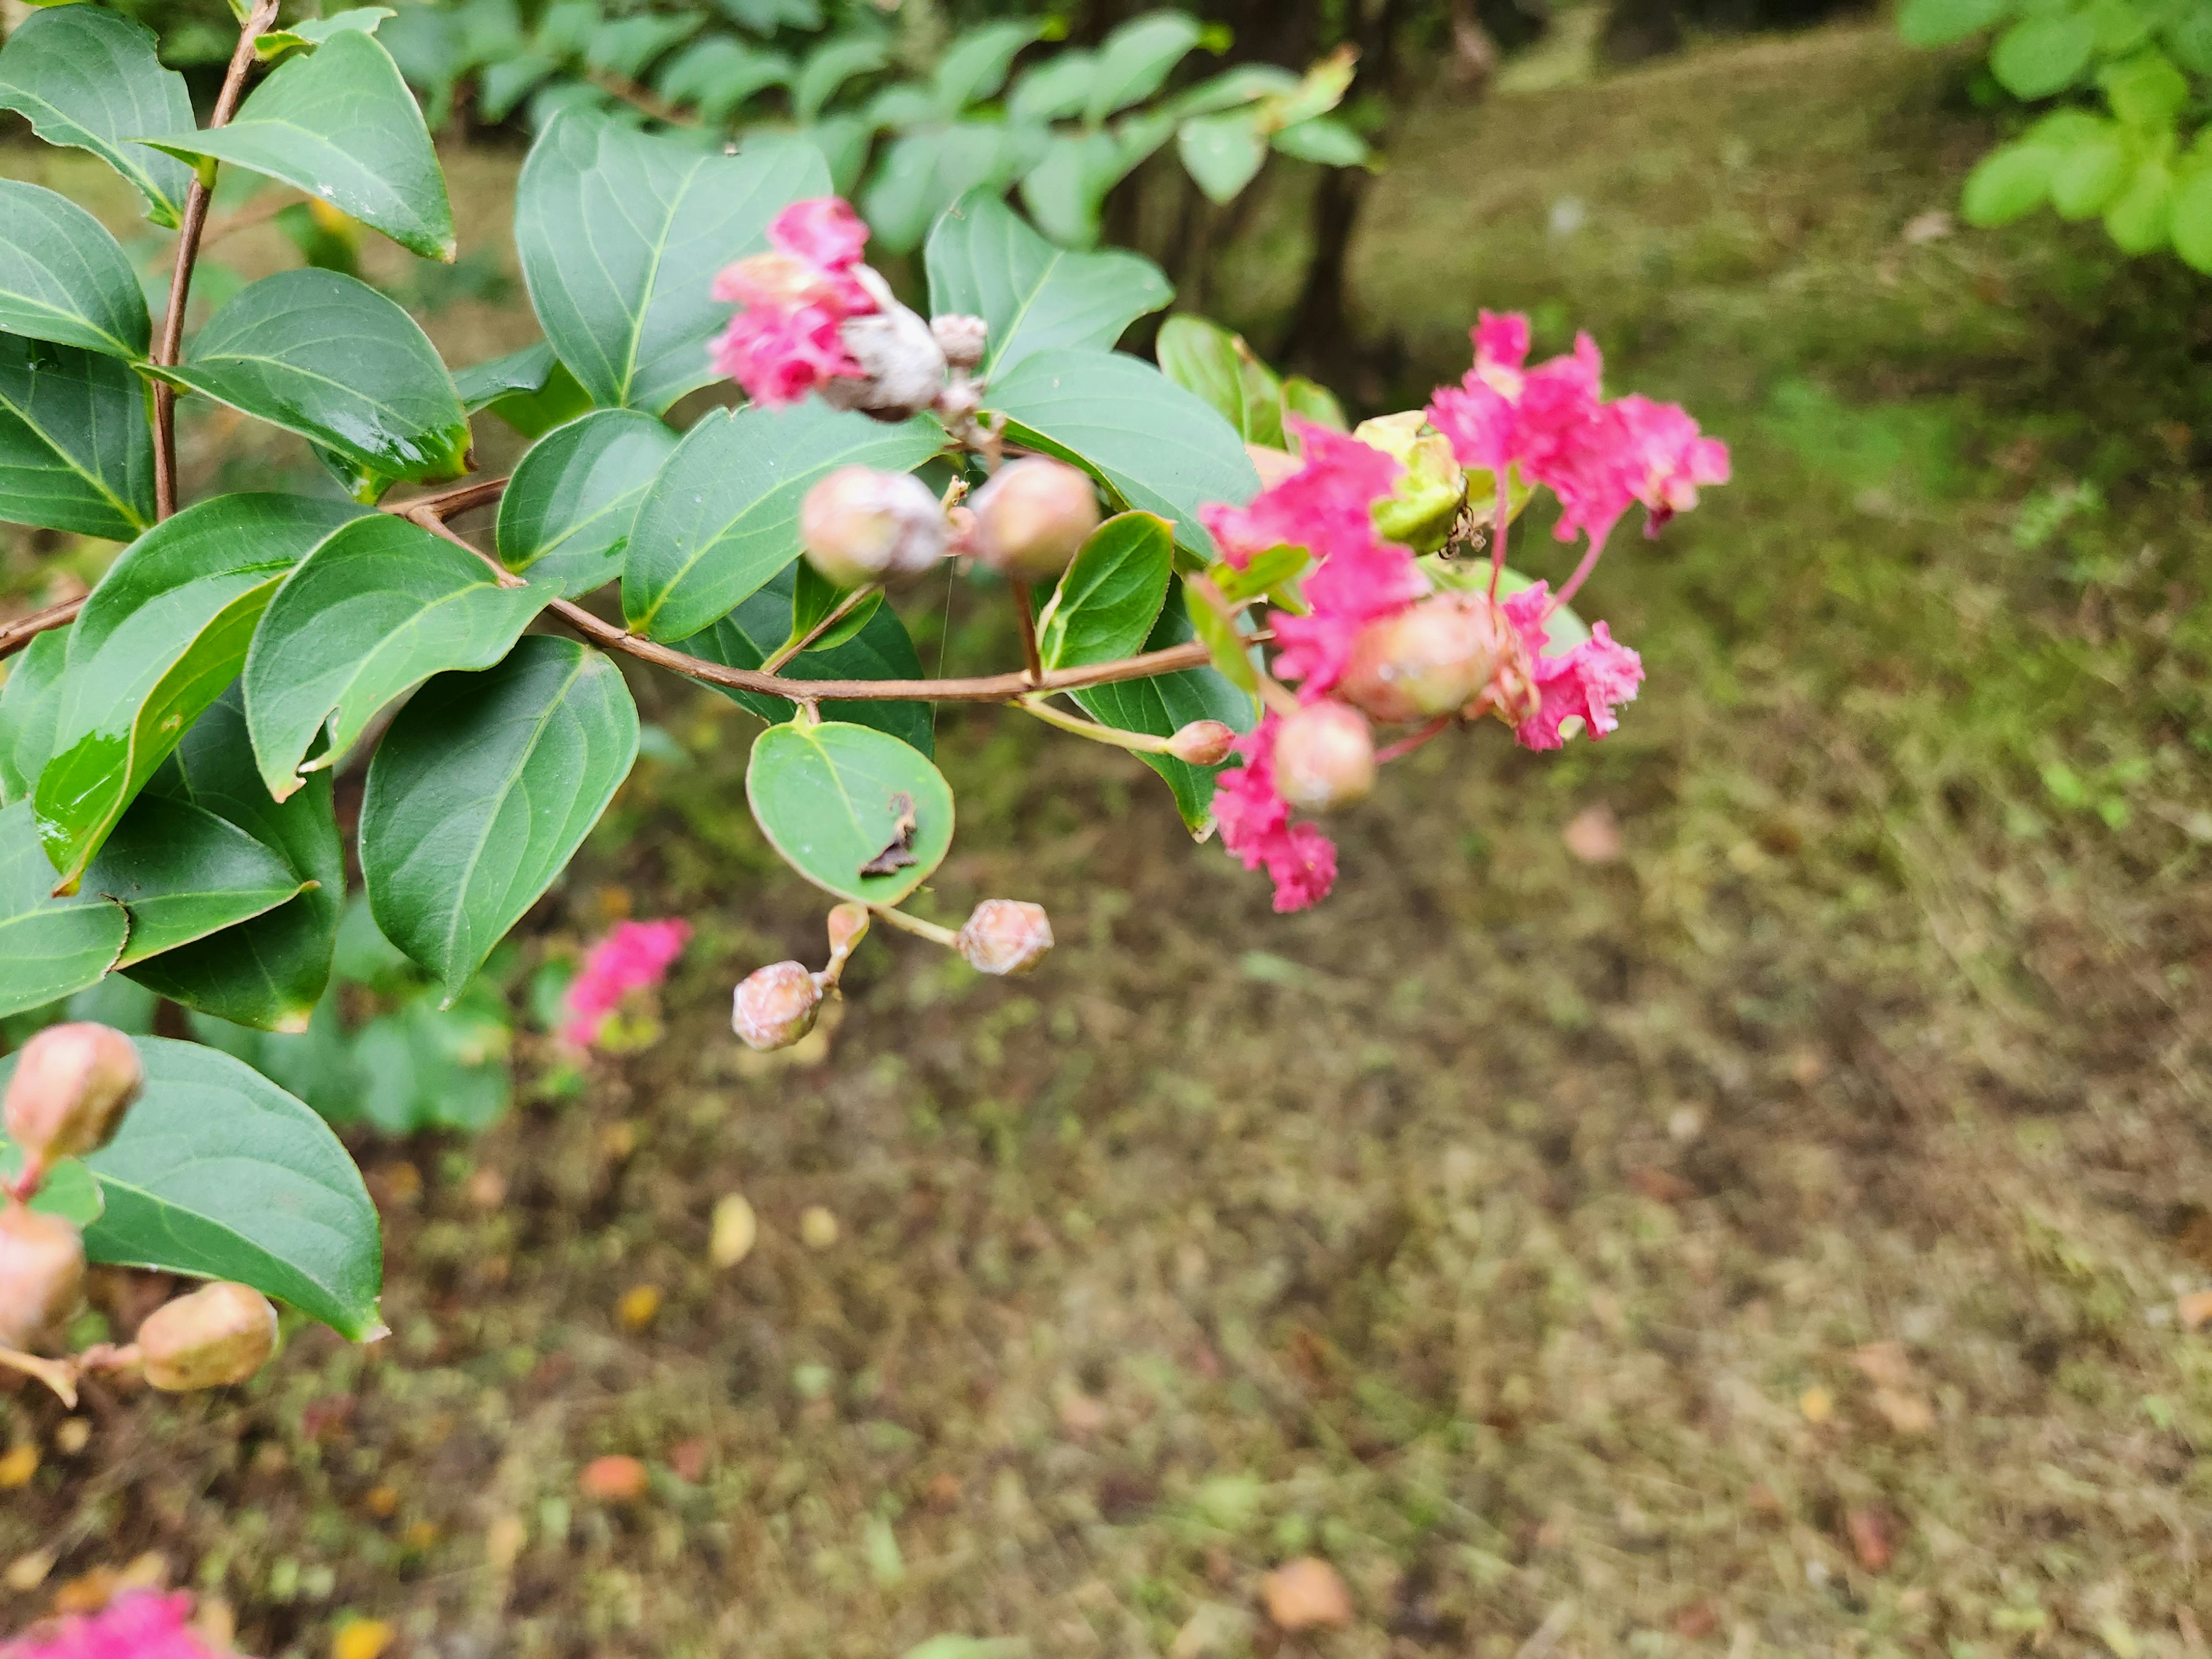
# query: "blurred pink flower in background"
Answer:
x=785 y=341
x=135 y=1627
x=636 y=956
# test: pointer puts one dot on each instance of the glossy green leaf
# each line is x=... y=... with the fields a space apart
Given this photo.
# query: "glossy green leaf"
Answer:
x=311 y=31
x=49 y=947
x=2038 y=56
x=815 y=598
x=1159 y=448
x=30 y=704
x=86 y=78
x=1164 y=704
x=339 y=123
x=1944 y=22
x=183 y=873
x=1108 y=598
x=68 y=1191
x=270 y=972
x=1224 y=642
x=1137 y=58
x=76 y=449
x=64 y=278
x=217 y=1173
x=1222 y=153
x=1206 y=358
x=984 y=262
x=531 y=390
x=373 y=612
x=565 y=518
x=1261 y=573
x=723 y=515
x=621 y=233
x=482 y=792
x=834 y=797
x=881 y=650
x=158 y=641
x=328 y=357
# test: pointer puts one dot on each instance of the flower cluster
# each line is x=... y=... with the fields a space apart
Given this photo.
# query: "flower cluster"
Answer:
x=787 y=338
x=140 y=1626
x=1375 y=642
x=635 y=957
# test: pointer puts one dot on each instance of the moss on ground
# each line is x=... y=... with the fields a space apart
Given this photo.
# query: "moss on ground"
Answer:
x=1766 y=1243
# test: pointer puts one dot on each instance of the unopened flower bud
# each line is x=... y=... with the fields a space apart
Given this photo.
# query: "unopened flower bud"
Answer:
x=1005 y=936
x=861 y=525
x=218 y=1337
x=901 y=366
x=1324 y=757
x=775 y=1006
x=71 y=1085
x=1202 y=743
x=41 y=1273
x=1427 y=659
x=848 y=925
x=962 y=340
x=1032 y=517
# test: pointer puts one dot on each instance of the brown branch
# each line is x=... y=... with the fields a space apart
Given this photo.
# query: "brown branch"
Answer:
x=171 y=345
x=15 y=635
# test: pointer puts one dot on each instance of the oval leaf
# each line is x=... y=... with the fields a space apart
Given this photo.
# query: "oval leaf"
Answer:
x=837 y=800
x=1111 y=595
x=723 y=515
x=183 y=873
x=68 y=1191
x=84 y=77
x=158 y=641
x=1163 y=705
x=49 y=947
x=327 y=356
x=481 y=792
x=219 y=1174
x=370 y=614
x=339 y=123
x=621 y=233
x=29 y=705
x=565 y=518
x=76 y=451
x=64 y=278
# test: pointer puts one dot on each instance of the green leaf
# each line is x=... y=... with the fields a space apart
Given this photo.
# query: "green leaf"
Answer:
x=68 y=1191
x=925 y=172
x=1164 y=704
x=1222 y=153
x=2192 y=220
x=76 y=450
x=49 y=947
x=2140 y=218
x=1224 y=642
x=2145 y=91
x=1111 y=596
x=881 y=650
x=341 y=125
x=183 y=873
x=831 y=64
x=629 y=45
x=482 y=792
x=217 y=1173
x=424 y=1067
x=84 y=77
x=158 y=641
x=30 y=704
x=984 y=262
x=311 y=33
x=270 y=972
x=621 y=235
x=832 y=798
x=531 y=390
x=64 y=278
x=565 y=518
x=716 y=75
x=1065 y=190
x=2009 y=183
x=814 y=598
x=370 y=614
x=1159 y=448
x=1246 y=84
x=1052 y=86
x=723 y=515
x=2038 y=56
x=1262 y=572
x=1136 y=60
x=1206 y=358
x=328 y=357
x=1310 y=401
x=975 y=65
x=1322 y=140
x=2089 y=174
x=1943 y=22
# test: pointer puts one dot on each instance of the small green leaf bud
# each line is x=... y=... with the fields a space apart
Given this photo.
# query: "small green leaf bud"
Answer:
x=1032 y=518
x=1202 y=743
x=41 y=1273
x=219 y=1335
x=1005 y=936
x=1428 y=659
x=1324 y=757
x=70 y=1090
x=775 y=1006
x=861 y=525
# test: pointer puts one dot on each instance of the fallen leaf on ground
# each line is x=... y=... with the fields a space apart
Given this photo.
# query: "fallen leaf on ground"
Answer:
x=613 y=1480
x=1306 y=1594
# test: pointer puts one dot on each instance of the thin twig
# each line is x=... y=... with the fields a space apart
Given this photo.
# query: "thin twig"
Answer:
x=1407 y=745
x=171 y=345
x=928 y=930
x=1027 y=619
x=844 y=609
x=1141 y=743
x=15 y=635
x=271 y=203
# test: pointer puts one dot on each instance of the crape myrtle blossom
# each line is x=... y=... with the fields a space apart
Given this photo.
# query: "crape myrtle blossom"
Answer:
x=636 y=956
x=1586 y=682
x=140 y=1626
x=1257 y=828
x=786 y=340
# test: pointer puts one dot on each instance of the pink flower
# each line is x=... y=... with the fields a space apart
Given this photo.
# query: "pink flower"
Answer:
x=1671 y=458
x=1256 y=825
x=786 y=340
x=1587 y=681
x=635 y=956
x=135 y=1627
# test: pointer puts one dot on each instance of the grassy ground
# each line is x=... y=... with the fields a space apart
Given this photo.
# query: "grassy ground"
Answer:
x=1768 y=1242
